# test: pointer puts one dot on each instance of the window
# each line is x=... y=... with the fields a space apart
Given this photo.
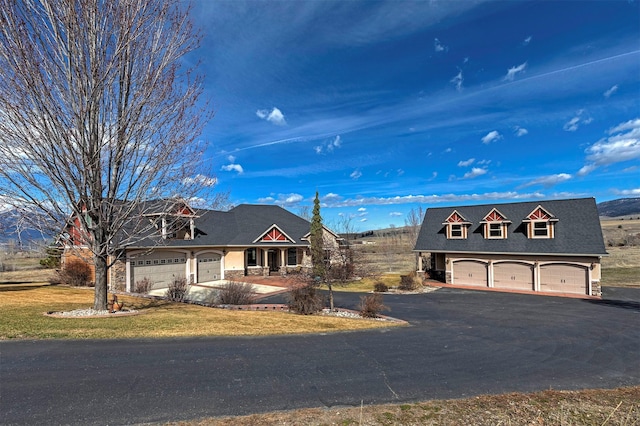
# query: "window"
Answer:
x=252 y=258
x=495 y=230
x=456 y=231
x=163 y=261
x=540 y=229
x=292 y=257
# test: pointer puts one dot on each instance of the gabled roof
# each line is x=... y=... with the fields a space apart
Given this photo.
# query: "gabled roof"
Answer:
x=244 y=225
x=577 y=229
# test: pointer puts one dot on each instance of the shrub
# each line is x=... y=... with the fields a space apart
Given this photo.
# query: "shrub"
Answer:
x=305 y=300
x=235 y=293
x=380 y=287
x=76 y=272
x=408 y=283
x=52 y=261
x=143 y=286
x=177 y=289
x=371 y=305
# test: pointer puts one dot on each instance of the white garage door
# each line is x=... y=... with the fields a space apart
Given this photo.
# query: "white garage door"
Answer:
x=209 y=267
x=469 y=272
x=161 y=268
x=513 y=276
x=564 y=279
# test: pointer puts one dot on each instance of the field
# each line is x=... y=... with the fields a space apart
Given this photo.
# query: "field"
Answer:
x=621 y=267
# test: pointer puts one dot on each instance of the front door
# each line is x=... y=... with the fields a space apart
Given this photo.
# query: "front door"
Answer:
x=274 y=260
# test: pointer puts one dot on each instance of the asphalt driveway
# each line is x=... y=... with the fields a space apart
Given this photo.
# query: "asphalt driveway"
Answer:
x=459 y=343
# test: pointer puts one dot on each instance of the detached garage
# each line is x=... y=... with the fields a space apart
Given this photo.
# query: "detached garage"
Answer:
x=552 y=247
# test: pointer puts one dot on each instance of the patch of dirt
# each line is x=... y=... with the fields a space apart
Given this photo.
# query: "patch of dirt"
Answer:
x=568 y=408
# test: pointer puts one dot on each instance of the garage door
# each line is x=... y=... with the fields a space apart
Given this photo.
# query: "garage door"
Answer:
x=513 y=276
x=209 y=267
x=161 y=268
x=469 y=272
x=564 y=279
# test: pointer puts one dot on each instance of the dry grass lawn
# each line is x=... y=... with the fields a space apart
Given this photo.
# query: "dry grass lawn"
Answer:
x=587 y=407
x=21 y=317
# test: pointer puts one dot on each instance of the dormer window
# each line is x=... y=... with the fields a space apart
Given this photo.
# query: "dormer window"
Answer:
x=495 y=225
x=540 y=224
x=456 y=226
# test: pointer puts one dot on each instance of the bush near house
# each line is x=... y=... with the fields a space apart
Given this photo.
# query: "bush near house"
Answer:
x=143 y=286
x=177 y=289
x=75 y=273
x=235 y=293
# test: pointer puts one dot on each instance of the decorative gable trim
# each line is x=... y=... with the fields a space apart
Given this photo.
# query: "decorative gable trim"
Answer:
x=494 y=225
x=274 y=235
x=540 y=224
x=456 y=226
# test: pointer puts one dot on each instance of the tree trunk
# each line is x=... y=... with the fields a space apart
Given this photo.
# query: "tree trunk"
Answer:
x=330 y=296
x=100 y=293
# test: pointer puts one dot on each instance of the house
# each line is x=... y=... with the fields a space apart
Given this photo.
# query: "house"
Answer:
x=549 y=247
x=209 y=245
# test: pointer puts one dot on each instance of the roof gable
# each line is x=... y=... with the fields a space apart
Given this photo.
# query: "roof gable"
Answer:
x=274 y=235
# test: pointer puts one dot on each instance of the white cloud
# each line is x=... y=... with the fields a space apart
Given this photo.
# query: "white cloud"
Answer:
x=434 y=199
x=362 y=209
x=474 y=173
x=511 y=72
x=200 y=180
x=439 y=47
x=628 y=192
x=492 y=136
x=231 y=159
x=580 y=118
x=622 y=145
x=395 y=214
x=356 y=174
x=457 y=81
x=329 y=146
x=466 y=163
x=285 y=200
x=526 y=41
x=520 y=131
x=233 y=168
x=548 y=181
x=274 y=116
x=611 y=91
x=400 y=172
x=586 y=169
x=364 y=219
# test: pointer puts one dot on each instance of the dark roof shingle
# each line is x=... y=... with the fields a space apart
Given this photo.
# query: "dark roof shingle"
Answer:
x=577 y=231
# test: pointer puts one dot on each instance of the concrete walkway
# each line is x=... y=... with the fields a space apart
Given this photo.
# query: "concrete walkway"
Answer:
x=203 y=292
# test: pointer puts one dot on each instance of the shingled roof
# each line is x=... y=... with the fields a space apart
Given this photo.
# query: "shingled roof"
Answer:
x=240 y=226
x=577 y=230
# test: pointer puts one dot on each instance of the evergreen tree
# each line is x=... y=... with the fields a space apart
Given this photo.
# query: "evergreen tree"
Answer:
x=317 y=241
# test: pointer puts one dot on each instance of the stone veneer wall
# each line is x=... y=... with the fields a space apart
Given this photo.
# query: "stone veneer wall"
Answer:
x=233 y=274
x=118 y=276
x=596 y=288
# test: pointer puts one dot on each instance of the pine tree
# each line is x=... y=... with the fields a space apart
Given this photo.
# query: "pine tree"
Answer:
x=317 y=242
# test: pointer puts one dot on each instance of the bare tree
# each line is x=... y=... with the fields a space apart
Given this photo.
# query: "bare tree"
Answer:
x=413 y=222
x=98 y=115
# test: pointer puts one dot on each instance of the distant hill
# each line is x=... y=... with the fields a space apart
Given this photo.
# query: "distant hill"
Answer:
x=620 y=207
x=8 y=231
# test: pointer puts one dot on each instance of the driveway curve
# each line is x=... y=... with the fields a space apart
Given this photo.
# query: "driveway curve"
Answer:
x=459 y=343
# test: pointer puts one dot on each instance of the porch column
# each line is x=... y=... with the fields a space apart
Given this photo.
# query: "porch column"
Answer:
x=419 y=262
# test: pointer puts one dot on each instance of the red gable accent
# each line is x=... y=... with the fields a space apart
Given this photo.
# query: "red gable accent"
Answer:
x=455 y=218
x=274 y=235
x=539 y=214
x=494 y=216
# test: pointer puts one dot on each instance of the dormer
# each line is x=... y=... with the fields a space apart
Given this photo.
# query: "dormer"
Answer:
x=494 y=225
x=174 y=221
x=540 y=224
x=456 y=226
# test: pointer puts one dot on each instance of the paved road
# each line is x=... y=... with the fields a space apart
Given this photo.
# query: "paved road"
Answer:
x=460 y=343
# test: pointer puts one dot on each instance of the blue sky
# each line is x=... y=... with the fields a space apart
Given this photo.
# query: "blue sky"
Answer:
x=384 y=106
